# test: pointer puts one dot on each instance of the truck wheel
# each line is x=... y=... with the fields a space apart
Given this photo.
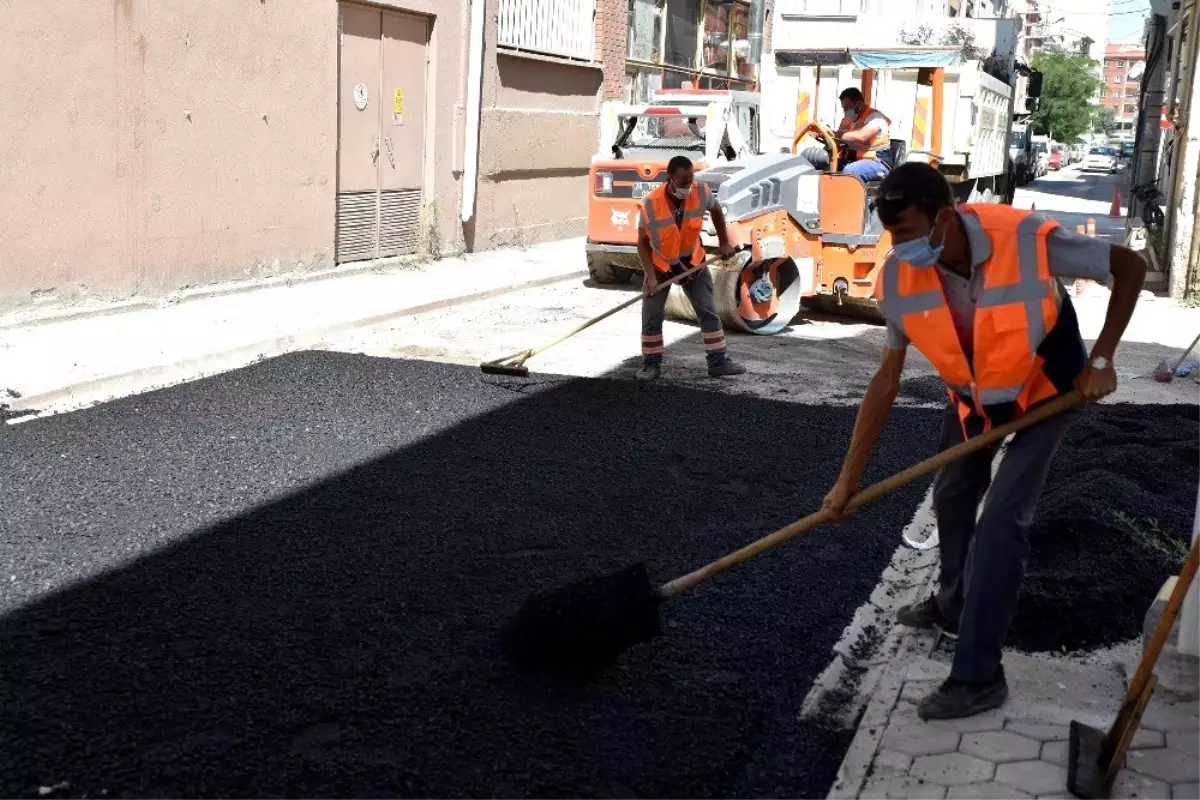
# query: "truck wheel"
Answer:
x=603 y=270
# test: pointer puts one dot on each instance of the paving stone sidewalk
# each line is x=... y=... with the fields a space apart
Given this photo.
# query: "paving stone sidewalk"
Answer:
x=1019 y=750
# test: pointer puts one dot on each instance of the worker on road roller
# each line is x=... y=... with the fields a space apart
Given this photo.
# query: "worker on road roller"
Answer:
x=976 y=289
x=669 y=226
x=863 y=137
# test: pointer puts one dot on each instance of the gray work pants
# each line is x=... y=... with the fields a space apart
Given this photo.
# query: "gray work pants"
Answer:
x=700 y=291
x=984 y=558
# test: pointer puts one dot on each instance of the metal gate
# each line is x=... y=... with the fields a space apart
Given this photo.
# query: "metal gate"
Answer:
x=381 y=132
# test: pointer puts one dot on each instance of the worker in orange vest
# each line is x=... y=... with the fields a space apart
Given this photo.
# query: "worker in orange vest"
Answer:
x=863 y=137
x=977 y=290
x=669 y=226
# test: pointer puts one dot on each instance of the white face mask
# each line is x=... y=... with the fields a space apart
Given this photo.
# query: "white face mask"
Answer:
x=851 y=114
x=680 y=194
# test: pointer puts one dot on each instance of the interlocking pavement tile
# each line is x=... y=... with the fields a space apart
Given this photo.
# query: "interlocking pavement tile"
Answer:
x=918 y=739
x=1056 y=753
x=1187 y=741
x=1133 y=785
x=1146 y=738
x=902 y=788
x=1000 y=746
x=1185 y=791
x=915 y=691
x=1165 y=763
x=952 y=769
x=987 y=721
x=891 y=760
x=987 y=791
x=1162 y=716
x=1033 y=777
x=1039 y=731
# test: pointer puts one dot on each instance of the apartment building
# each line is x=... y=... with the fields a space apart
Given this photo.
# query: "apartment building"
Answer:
x=1123 y=64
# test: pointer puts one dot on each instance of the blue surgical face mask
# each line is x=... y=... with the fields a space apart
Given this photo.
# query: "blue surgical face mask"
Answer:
x=920 y=252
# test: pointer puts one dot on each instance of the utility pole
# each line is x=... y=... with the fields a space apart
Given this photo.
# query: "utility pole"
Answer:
x=1145 y=165
x=1181 y=214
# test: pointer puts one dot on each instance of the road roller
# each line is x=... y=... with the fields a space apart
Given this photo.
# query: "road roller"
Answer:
x=808 y=234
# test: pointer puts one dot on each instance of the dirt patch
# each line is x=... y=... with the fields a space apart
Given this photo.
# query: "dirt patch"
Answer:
x=1113 y=523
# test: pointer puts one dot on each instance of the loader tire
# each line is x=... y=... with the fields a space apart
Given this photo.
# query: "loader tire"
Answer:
x=603 y=270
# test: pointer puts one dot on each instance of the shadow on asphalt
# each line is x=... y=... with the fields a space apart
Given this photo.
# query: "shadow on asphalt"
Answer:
x=288 y=580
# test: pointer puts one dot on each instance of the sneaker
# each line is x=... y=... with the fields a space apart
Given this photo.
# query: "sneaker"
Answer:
x=955 y=699
x=926 y=615
x=726 y=367
x=649 y=372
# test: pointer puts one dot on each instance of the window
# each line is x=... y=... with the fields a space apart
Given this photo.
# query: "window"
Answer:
x=554 y=27
x=683 y=27
x=1116 y=79
x=669 y=44
x=645 y=30
x=827 y=8
x=1129 y=109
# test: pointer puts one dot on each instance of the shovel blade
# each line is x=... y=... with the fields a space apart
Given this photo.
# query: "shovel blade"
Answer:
x=492 y=368
x=1087 y=764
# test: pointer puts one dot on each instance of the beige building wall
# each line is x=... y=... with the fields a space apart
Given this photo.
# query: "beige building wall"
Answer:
x=154 y=144
x=150 y=145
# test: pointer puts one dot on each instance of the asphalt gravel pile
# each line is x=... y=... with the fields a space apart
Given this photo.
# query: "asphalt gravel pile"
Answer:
x=1114 y=521
x=291 y=579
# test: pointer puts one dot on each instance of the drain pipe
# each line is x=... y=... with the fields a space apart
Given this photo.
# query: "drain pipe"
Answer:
x=474 y=99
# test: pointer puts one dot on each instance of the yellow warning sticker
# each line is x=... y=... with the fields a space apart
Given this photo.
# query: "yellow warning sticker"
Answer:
x=397 y=100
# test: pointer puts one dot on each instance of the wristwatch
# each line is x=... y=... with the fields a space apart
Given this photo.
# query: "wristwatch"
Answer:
x=1100 y=362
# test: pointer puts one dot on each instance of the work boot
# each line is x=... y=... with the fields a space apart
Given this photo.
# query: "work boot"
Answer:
x=649 y=372
x=927 y=616
x=955 y=698
x=725 y=367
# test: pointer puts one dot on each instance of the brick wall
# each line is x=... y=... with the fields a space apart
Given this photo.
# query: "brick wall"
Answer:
x=612 y=22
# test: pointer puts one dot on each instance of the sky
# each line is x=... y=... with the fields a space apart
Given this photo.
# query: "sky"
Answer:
x=1126 y=19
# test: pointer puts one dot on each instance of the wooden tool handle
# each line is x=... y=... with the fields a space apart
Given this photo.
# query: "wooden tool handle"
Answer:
x=577 y=329
x=872 y=492
x=1186 y=353
x=1159 y=638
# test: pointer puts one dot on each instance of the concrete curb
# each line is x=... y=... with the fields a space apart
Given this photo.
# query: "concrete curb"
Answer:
x=13 y=320
x=94 y=391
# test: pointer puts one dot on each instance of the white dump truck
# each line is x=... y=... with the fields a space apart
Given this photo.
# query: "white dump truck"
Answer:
x=947 y=86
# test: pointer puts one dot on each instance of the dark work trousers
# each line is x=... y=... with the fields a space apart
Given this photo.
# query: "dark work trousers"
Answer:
x=984 y=554
x=699 y=289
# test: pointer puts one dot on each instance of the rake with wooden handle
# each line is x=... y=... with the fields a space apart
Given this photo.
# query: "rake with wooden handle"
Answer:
x=514 y=365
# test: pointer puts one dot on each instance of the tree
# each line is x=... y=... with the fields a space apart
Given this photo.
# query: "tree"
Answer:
x=1104 y=120
x=1068 y=84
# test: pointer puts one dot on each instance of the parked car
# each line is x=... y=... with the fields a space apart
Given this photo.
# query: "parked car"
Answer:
x=1056 y=159
x=1101 y=159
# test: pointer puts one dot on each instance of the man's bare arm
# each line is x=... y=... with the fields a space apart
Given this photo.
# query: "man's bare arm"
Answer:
x=872 y=414
x=1129 y=272
x=718 y=218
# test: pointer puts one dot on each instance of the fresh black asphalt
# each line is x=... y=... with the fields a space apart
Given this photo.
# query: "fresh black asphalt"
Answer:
x=289 y=580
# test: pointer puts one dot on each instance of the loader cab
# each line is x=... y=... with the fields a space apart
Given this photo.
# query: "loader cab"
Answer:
x=707 y=126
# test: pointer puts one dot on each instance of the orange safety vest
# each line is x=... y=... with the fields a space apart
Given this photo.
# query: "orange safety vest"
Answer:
x=670 y=241
x=1027 y=343
x=880 y=142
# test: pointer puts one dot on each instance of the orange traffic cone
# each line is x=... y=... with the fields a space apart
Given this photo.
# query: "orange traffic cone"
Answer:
x=1115 y=210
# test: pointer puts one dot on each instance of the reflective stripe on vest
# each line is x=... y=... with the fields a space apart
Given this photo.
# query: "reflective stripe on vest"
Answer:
x=671 y=242
x=1016 y=309
x=880 y=142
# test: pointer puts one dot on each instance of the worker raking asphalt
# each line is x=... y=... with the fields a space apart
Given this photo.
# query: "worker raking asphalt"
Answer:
x=290 y=579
